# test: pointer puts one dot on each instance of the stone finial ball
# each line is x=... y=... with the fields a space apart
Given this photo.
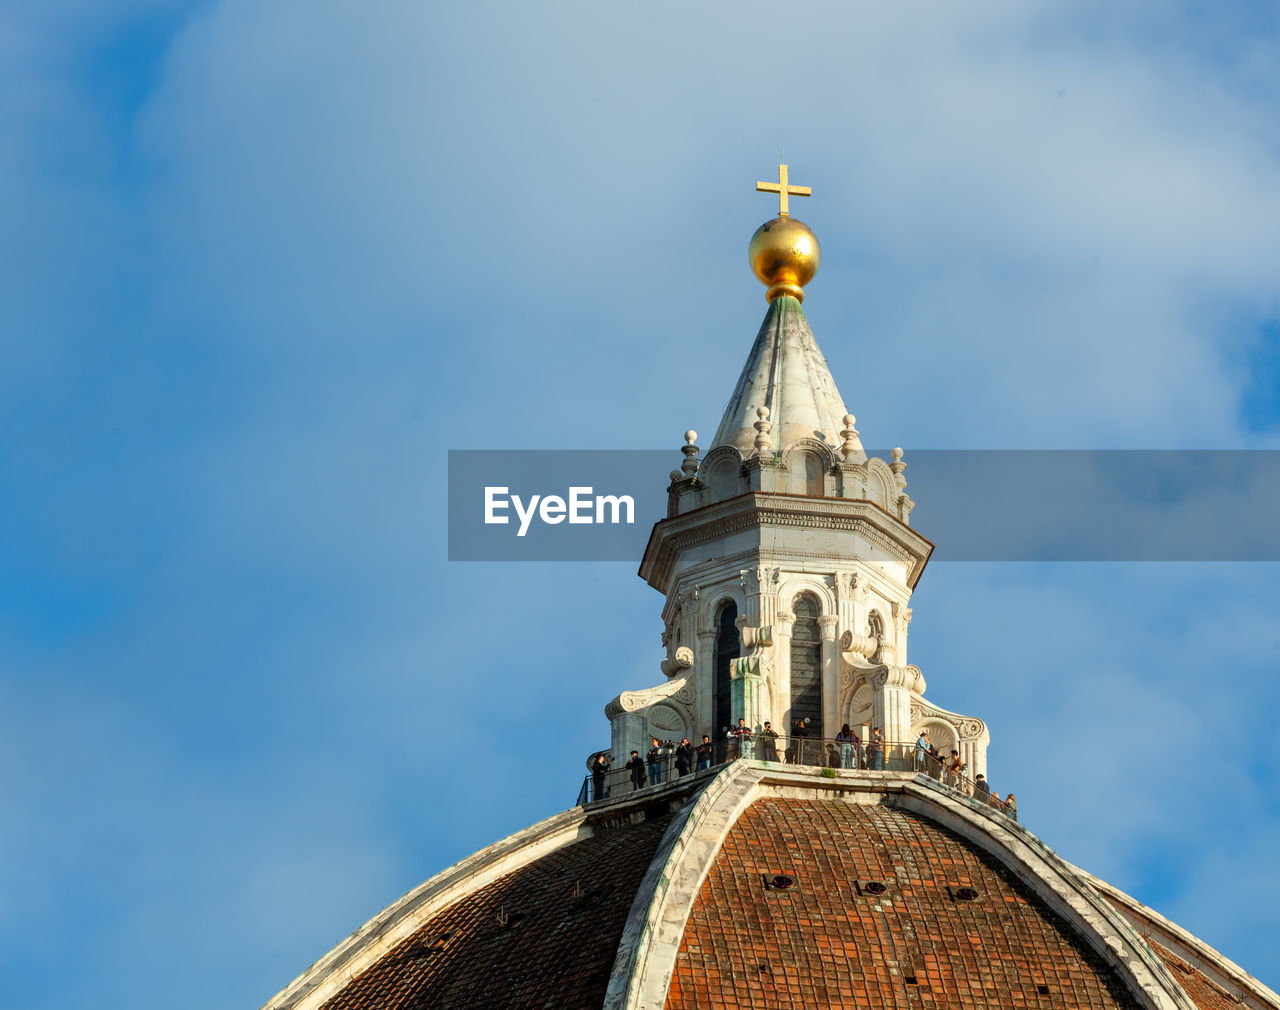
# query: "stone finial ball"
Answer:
x=784 y=256
x=690 y=436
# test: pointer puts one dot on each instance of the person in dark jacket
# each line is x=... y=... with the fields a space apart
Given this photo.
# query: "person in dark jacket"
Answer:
x=636 y=767
x=684 y=757
x=705 y=750
x=935 y=763
x=655 y=762
x=769 y=743
x=795 y=753
x=599 y=768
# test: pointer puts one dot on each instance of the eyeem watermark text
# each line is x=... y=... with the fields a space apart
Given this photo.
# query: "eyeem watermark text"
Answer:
x=583 y=506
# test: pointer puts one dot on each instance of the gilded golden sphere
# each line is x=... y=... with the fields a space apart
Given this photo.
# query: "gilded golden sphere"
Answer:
x=784 y=254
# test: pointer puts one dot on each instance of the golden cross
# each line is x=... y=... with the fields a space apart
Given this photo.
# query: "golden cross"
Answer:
x=783 y=190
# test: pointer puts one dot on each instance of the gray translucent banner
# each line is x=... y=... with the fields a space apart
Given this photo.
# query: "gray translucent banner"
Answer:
x=1122 y=505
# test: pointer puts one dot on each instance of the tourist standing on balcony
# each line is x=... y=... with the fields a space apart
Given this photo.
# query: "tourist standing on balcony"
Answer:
x=769 y=743
x=875 y=750
x=655 y=762
x=848 y=741
x=935 y=762
x=798 y=733
x=743 y=736
x=922 y=750
x=684 y=757
x=636 y=767
x=1011 y=806
x=705 y=750
x=599 y=768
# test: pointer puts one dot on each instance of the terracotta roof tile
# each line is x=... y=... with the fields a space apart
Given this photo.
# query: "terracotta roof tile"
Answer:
x=828 y=941
x=544 y=935
x=1206 y=994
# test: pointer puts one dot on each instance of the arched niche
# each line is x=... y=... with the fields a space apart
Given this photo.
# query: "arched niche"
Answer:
x=806 y=664
x=728 y=646
x=808 y=461
x=721 y=473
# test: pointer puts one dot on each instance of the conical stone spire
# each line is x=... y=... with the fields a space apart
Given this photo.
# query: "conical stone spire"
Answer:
x=786 y=373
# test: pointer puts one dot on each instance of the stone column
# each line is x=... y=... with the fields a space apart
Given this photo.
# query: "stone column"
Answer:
x=891 y=703
x=830 y=675
x=972 y=740
x=704 y=684
x=748 y=691
x=782 y=670
x=974 y=757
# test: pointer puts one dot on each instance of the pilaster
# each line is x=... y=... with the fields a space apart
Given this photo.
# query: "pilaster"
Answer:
x=704 y=673
x=891 y=702
x=782 y=628
x=829 y=623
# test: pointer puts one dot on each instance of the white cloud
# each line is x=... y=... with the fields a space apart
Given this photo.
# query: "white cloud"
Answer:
x=354 y=237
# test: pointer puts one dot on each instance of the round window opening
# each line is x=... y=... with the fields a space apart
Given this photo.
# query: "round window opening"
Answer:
x=875 y=887
x=781 y=881
x=966 y=894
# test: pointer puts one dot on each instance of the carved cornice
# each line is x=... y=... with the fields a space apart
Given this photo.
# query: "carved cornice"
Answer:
x=759 y=509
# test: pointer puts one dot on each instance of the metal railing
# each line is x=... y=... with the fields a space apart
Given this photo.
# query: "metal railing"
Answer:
x=667 y=765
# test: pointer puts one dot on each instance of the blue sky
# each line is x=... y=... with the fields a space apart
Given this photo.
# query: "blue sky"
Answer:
x=263 y=264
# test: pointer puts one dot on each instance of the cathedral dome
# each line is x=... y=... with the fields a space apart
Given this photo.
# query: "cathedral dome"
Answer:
x=754 y=885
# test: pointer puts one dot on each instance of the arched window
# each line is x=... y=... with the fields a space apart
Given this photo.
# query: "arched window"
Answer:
x=728 y=647
x=806 y=667
x=723 y=480
x=876 y=624
x=812 y=474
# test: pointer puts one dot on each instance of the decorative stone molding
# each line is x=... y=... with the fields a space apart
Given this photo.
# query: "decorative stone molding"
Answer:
x=893 y=676
x=852 y=585
x=972 y=729
x=763 y=440
x=756 y=638
x=668 y=720
x=690 y=450
x=850 y=451
x=678 y=689
x=682 y=660
x=713 y=600
x=859 y=645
